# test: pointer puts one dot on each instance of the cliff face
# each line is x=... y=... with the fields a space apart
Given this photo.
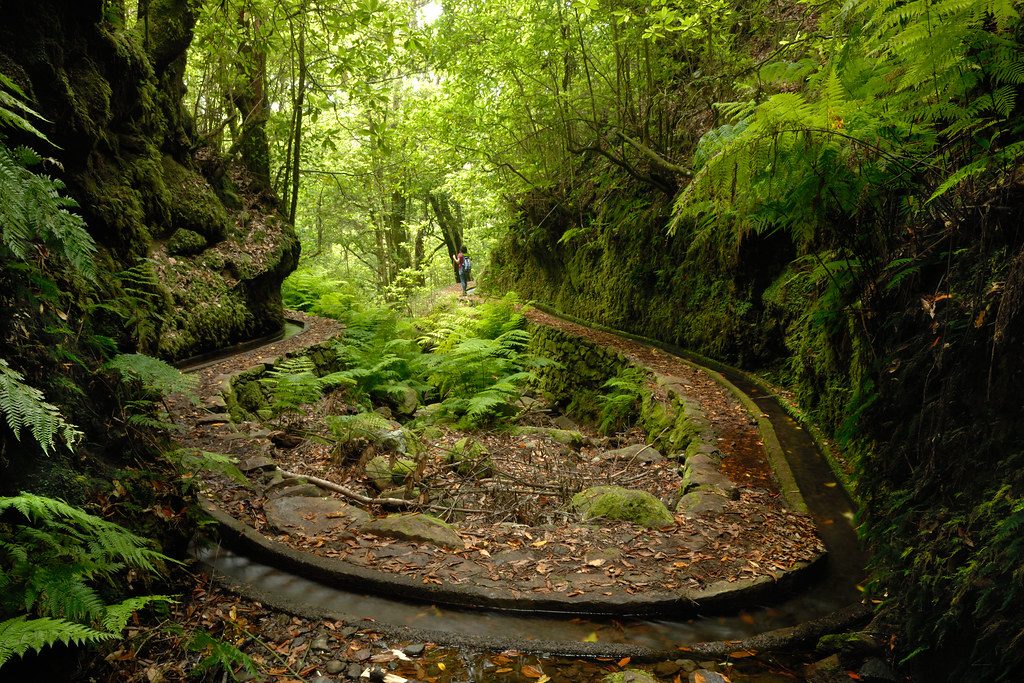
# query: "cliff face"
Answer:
x=194 y=249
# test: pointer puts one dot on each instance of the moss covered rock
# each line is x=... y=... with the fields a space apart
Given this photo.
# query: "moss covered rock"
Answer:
x=194 y=205
x=470 y=458
x=416 y=527
x=563 y=436
x=627 y=505
x=384 y=474
x=185 y=242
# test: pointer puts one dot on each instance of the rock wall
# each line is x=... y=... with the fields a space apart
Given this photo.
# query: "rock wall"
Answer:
x=196 y=250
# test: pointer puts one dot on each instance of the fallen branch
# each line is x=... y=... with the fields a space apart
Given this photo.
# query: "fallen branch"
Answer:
x=328 y=485
x=349 y=493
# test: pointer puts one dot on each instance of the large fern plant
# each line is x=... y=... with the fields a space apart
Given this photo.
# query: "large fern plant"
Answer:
x=53 y=560
x=907 y=91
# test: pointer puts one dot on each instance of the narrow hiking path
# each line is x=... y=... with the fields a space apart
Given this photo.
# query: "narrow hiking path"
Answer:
x=515 y=564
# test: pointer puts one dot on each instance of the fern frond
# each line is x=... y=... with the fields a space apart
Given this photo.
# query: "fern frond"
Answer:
x=21 y=634
x=154 y=374
x=116 y=616
x=24 y=407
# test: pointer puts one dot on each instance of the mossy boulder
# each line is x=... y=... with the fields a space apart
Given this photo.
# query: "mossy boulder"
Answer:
x=470 y=458
x=563 y=436
x=185 y=242
x=405 y=402
x=416 y=527
x=622 y=504
x=384 y=474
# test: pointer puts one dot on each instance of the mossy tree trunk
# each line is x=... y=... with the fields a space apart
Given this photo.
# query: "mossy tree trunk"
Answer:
x=250 y=97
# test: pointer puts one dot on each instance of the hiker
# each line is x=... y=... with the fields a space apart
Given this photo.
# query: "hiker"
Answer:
x=463 y=266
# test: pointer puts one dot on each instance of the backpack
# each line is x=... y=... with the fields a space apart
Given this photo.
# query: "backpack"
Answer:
x=467 y=265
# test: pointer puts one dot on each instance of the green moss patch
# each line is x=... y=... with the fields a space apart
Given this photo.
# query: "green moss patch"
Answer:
x=622 y=504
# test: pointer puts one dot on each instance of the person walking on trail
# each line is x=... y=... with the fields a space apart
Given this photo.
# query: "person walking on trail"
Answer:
x=463 y=267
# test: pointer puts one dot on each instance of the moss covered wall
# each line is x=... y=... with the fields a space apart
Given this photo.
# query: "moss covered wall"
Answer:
x=112 y=100
x=920 y=377
x=673 y=423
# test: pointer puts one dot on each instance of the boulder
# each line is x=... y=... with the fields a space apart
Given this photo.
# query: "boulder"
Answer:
x=470 y=458
x=185 y=242
x=696 y=503
x=386 y=474
x=618 y=503
x=429 y=414
x=406 y=402
x=638 y=453
x=563 y=436
x=416 y=527
x=312 y=516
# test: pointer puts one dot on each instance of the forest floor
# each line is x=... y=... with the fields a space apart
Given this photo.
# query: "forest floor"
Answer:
x=517 y=538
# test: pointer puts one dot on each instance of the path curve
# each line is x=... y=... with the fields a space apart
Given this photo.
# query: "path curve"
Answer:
x=723 y=597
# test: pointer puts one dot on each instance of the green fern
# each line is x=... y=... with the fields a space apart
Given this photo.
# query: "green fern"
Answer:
x=191 y=460
x=219 y=655
x=21 y=634
x=153 y=375
x=51 y=556
x=24 y=408
x=14 y=113
x=34 y=209
x=621 y=402
x=292 y=384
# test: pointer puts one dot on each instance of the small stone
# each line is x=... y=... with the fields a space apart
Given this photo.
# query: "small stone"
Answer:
x=562 y=422
x=696 y=503
x=857 y=644
x=362 y=655
x=354 y=671
x=708 y=666
x=687 y=665
x=323 y=679
x=618 y=503
x=705 y=675
x=637 y=453
x=414 y=650
x=666 y=669
x=334 y=666
x=827 y=670
x=296 y=491
x=299 y=641
x=257 y=463
x=349 y=631
x=876 y=670
x=320 y=645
